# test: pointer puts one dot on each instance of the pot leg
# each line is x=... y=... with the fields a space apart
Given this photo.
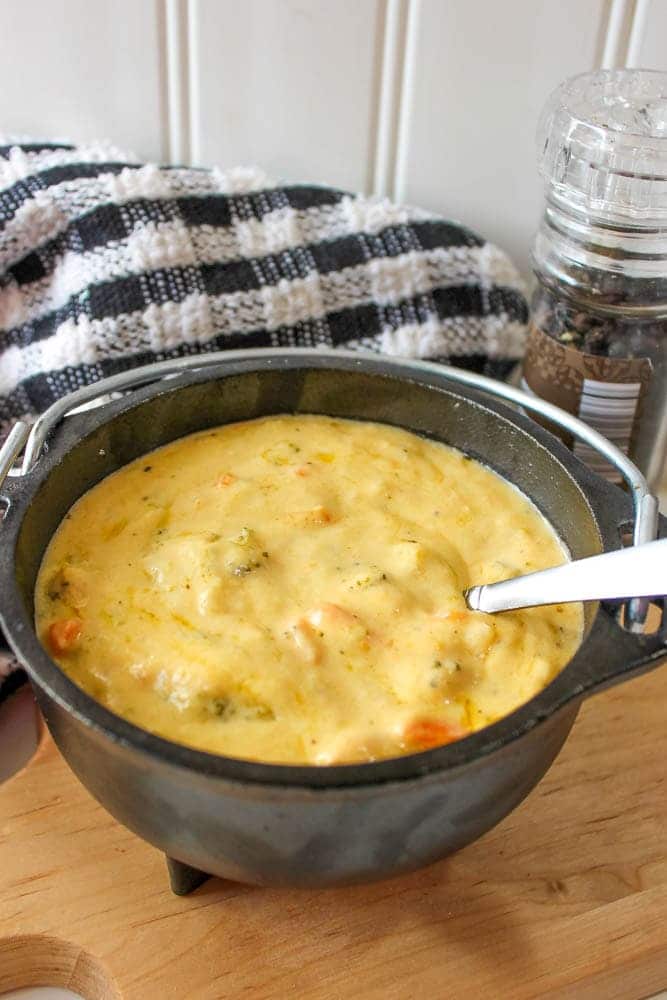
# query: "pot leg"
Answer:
x=183 y=878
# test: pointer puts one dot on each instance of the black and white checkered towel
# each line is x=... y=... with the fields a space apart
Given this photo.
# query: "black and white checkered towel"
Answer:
x=107 y=263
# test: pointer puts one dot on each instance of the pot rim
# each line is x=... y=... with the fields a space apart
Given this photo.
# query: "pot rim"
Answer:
x=572 y=683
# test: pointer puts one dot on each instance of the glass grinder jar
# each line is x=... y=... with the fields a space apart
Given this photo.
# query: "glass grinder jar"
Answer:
x=598 y=339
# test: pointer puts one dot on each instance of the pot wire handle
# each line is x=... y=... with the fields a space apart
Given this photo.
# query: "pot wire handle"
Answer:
x=12 y=448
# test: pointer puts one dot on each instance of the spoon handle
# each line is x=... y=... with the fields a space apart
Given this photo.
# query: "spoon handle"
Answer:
x=638 y=571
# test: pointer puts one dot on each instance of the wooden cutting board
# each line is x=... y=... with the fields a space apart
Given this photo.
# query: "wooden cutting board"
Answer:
x=566 y=898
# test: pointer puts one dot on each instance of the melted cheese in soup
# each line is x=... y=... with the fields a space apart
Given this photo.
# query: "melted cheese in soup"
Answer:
x=290 y=590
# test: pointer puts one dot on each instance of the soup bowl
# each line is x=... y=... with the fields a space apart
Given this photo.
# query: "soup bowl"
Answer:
x=304 y=825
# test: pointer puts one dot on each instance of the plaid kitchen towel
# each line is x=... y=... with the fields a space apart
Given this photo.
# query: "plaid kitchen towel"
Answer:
x=107 y=263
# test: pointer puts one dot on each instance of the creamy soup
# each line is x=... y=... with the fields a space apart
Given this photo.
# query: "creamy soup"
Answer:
x=290 y=589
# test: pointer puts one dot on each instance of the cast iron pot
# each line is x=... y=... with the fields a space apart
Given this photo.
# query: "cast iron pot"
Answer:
x=301 y=825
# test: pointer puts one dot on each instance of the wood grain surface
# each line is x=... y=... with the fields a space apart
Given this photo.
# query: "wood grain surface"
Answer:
x=566 y=898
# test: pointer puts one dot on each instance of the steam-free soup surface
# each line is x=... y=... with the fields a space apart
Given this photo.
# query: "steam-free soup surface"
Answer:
x=290 y=589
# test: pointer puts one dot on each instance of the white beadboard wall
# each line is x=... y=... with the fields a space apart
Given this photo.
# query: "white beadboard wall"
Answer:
x=85 y=69
x=433 y=102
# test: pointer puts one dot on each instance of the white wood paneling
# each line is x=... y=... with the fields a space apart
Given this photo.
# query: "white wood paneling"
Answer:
x=391 y=87
x=177 y=63
x=648 y=40
x=477 y=75
x=80 y=69
x=430 y=101
x=617 y=35
x=291 y=85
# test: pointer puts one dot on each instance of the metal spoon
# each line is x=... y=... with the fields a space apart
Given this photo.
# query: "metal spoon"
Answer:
x=638 y=571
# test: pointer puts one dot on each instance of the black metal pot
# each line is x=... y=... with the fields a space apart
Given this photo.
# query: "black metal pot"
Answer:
x=278 y=824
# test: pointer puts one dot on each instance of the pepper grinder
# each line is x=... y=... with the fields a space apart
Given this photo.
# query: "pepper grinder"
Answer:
x=597 y=344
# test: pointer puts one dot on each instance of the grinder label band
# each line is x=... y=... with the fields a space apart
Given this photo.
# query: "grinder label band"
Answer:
x=606 y=393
